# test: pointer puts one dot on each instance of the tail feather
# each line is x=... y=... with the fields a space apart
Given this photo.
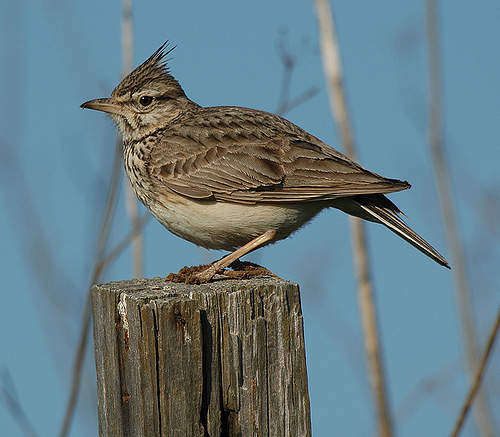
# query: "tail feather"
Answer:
x=387 y=215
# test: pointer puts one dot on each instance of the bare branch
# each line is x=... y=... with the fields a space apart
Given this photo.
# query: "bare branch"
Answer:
x=427 y=387
x=441 y=172
x=82 y=344
x=290 y=59
x=297 y=101
x=333 y=72
x=101 y=247
x=9 y=396
x=478 y=377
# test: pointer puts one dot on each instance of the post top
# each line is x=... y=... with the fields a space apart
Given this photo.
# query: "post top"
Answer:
x=160 y=287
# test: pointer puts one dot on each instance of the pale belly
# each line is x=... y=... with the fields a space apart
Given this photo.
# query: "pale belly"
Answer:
x=227 y=226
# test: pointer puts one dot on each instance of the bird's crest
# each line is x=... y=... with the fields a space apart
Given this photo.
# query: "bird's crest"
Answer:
x=154 y=69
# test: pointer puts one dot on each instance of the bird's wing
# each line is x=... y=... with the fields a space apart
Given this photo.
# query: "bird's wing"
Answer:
x=264 y=170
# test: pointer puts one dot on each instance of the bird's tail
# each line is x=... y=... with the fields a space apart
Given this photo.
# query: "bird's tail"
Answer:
x=378 y=208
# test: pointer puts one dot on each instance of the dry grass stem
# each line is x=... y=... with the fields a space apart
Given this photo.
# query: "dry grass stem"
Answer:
x=333 y=72
x=85 y=325
x=478 y=377
x=442 y=175
x=290 y=59
x=297 y=101
x=9 y=397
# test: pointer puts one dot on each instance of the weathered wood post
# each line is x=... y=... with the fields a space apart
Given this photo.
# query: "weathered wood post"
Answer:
x=220 y=359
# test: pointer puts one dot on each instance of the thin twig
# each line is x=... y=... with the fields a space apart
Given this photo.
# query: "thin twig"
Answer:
x=122 y=245
x=442 y=175
x=82 y=344
x=85 y=325
x=290 y=59
x=333 y=72
x=426 y=388
x=9 y=395
x=297 y=101
x=478 y=378
x=77 y=368
x=368 y=311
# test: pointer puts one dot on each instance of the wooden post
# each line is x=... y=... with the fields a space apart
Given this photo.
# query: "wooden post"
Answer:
x=220 y=359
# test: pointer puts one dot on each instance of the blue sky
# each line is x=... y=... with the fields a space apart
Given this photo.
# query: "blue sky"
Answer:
x=57 y=160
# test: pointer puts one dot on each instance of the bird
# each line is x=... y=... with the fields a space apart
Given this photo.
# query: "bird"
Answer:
x=233 y=178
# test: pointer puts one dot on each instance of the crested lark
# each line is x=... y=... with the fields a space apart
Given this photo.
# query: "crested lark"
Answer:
x=235 y=178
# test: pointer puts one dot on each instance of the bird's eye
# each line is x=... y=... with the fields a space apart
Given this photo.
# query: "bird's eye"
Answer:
x=146 y=100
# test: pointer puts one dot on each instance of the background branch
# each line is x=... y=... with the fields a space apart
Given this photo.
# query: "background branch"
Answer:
x=10 y=398
x=333 y=72
x=130 y=200
x=96 y=274
x=478 y=377
x=442 y=176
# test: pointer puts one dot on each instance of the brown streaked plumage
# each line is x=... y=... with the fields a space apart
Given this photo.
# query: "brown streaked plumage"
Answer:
x=228 y=177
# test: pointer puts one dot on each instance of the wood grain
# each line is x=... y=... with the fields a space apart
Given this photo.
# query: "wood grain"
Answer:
x=220 y=359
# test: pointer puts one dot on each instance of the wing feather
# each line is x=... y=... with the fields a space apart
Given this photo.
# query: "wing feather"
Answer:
x=243 y=155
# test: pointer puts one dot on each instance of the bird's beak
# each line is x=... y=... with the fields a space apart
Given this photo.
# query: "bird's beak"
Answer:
x=104 y=105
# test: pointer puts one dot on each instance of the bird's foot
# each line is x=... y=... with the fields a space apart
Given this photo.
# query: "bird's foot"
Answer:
x=193 y=275
x=248 y=270
x=207 y=272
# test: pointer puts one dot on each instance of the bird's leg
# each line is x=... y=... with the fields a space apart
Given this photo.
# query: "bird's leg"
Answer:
x=220 y=265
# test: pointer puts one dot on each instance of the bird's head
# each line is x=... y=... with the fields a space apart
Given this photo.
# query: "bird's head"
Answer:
x=146 y=99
